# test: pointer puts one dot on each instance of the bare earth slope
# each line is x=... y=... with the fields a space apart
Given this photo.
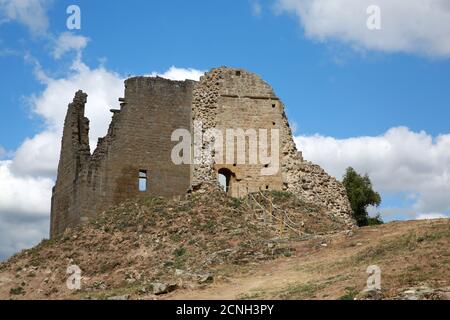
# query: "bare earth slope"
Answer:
x=414 y=258
x=209 y=246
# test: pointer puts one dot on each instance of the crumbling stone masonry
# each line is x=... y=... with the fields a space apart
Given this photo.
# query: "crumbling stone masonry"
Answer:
x=138 y=147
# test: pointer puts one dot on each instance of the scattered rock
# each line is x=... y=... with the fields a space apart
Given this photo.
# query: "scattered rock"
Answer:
x=4 y=280
x=424 y=293
x=207 y=278
x=200 y=278
x=179 y=273
x=370 y=294
x=163 y=288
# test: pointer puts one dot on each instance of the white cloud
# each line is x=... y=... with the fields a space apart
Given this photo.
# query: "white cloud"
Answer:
x=24 y=210
x=37 y=156
x=67 y=42
x=23 y=194
x=398 y=162
x=5 y=154
x=38 y=72
x=179 y=74
x=19 y=233
x=31 y=13
x=256 y=8
x=431 y=216
x=103 y=87
x=26 y=180
x=411 y=26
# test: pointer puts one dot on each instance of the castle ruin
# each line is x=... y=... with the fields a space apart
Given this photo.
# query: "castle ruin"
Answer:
x=134 y=158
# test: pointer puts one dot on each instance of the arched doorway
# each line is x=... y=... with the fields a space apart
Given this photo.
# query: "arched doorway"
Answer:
x=224 y=177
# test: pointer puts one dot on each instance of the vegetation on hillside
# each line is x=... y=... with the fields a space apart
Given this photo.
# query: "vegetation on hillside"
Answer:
x=152 y=240
x=361 y=195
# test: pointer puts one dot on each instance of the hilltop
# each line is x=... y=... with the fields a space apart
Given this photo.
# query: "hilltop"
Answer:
x=268 y=245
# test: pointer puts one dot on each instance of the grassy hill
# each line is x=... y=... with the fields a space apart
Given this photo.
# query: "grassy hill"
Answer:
x=208 y=246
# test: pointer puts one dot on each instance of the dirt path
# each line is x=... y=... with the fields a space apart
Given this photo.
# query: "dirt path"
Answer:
x=414 y=253
x=274 y=278
x=272 y=275
x=335 y=267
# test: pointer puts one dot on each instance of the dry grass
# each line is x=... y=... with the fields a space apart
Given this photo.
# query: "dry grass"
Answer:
x=143 y=241
x=146 y=240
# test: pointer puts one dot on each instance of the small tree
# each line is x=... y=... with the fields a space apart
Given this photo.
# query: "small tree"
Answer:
x=361 y=196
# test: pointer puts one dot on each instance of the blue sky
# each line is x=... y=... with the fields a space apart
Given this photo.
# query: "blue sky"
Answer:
x=365 y=94
x=345 y=90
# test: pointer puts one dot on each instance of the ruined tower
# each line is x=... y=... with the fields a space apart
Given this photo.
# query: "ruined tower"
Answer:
x=134 y=158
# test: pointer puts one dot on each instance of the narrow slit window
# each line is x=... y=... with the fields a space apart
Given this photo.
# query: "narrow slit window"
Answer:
x=142 y=180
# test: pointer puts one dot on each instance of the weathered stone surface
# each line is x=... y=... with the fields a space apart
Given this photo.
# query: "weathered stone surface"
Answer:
x=424 y=293
x=199 y=277
x=163 y=288
x=370 y=294
x=227 y=98
x=139 y=138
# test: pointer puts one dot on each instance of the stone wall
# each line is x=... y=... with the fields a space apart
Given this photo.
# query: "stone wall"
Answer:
x=204 y=112
x=236 y=99
x=139 y=138
x=227 y=98
x=75 y=154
